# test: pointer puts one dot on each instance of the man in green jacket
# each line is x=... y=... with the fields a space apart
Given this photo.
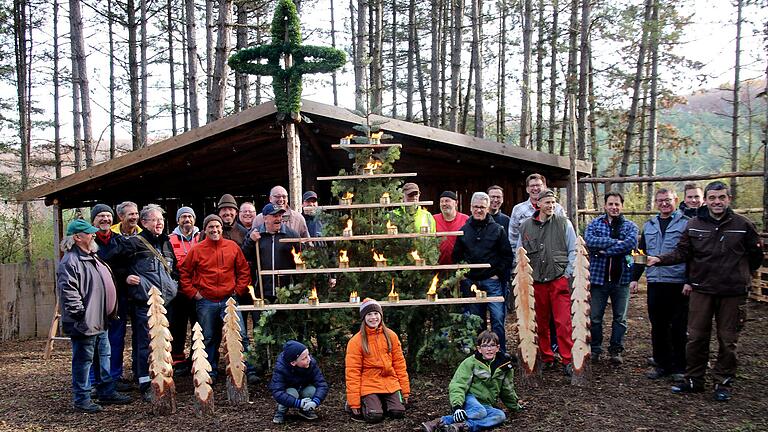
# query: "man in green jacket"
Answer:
x=477 y=384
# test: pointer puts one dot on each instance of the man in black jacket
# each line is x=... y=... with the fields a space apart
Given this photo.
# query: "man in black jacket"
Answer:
x=485 y=241
x=721 y=250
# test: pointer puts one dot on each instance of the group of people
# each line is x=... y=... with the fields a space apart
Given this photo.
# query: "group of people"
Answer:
x=107 y=270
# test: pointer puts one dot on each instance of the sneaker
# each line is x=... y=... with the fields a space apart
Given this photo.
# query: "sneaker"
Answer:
x=88 y=407
x=307 y=414
x=656 y=373
x=115 y=399
x=433 y=425
x=279 y=418
x=616 y=359
x=688 y=386
x=568 y=370
x=651 y=362
x=253 y=379
x=722 y=393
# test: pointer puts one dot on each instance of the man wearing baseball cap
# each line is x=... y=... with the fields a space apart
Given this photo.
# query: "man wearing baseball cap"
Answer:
x=421 y=217
x=310 y=212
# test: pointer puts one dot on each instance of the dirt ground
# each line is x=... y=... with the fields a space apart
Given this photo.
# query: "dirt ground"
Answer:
x=36 y=396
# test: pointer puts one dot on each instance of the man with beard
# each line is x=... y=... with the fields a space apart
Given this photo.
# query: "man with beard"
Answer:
x=88 y=298
x=278 y=197
x=311 y=213
x=449 y=219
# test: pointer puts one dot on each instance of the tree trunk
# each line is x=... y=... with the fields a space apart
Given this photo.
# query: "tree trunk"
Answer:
x=110 y=30
x=583 y=90
x=571 y=80
x=553 y=78
x=194 y=109
x=335 y=86
x=540 y=79
x=185 y=71
x=765 y=140
x=377 y=42
x=171 y=67
x=470 y=75
x=221 y=69
x=735 y=114
x=477 y=40
x=144 y=74
x=652 y=115
x=133 y=76
x=456 y=39
x=77 y=128
x=445 y=34
x=208 y=49
x=434 y=69
x=632 y=114
x=361 y=95
x=23 y=93
x=409 y=86
x=56 y=121
x=501 y=78
x=420 y=77
x=242 y=85
x=257 y=83
x=525 y=97
x=78 y=56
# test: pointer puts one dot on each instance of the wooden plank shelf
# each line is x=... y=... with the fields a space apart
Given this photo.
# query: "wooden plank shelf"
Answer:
x=368 y=176
x=373 y=237
x=364 y=146
x=374 y=205
x=372 y=269
x=401 y=303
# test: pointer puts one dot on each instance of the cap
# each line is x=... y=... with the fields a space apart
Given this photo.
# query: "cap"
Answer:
x=308 y=195
x=292 y=350
x=227 y=201
x=546 y=193
x=184 y=210
x=410 y=188
x=271 y=209
x=212 y=217
x=80 y=226
x=370 y=305
x=449 y=194
x=100 y=208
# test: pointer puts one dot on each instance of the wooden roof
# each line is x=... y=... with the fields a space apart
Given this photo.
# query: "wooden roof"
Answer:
x=245 y=155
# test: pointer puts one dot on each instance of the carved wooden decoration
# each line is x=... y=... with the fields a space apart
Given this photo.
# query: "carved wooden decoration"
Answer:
x=201 y=377
x=580 y=312
x=528 y=344
x=237 y=382
x=160 y=362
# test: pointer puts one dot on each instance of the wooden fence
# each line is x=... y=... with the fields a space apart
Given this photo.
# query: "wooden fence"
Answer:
x=27 y=298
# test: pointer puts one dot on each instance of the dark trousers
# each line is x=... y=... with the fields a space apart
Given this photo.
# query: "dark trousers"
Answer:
x=729 y=314
x=140 y=340
x=668 y=313
x=374 y=406
x=183 y=312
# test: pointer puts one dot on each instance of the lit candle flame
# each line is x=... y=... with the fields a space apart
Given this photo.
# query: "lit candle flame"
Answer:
x=473 y=288
x=373 y=164
x=392 y=291
x=390 y=225
x=313 y=294
x=296 y=256
x=385 y=195
x=343 y=256
x=377 y=135
x=378 y=257
x=353 y=294
x=433 y=286
x=252 y=292
x=415 y=255
x=349 y=137
x=349 y=224
x=348 y=195
x=639 y=252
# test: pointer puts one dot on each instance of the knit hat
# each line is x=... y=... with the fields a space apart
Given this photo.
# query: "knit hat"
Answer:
x=100 y=208
x=292 y=350
x=449 y=194
x=183 y=210
x=210 y=218
x=227 y=200
x=370 y=305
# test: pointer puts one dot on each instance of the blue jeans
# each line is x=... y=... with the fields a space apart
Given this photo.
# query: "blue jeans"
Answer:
x=494 y=287
x=619 y=295
x=306 y=392
x=116 y=334
x=210 y=316
x=479 y=416
x=83 y=348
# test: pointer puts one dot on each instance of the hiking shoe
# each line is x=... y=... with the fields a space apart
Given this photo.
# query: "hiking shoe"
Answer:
x=568 y=370
x=722 y=393
x=147 y=395
x=115 y=399
x=279 y=418
x=596 y=358
x=123 y=385
x=677 y=378
x=433 y=425
x=688 y=386
x=656 y=373
x=308 y=414
x=456 y=427
x=88 y=407
x=253 y=379
x=616 y=359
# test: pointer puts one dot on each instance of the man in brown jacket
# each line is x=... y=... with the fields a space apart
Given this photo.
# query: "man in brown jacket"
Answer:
x=721 y=250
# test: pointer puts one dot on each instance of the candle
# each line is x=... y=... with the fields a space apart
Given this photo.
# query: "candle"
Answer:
x=347 y=232
x=353 y=297
x=345 y=140
x=313 y=300
x=393 y=297
x=347 y=198
x=432 y=292
x=300 y=264
x=418 y=259
x=376 y=137
x=379 y=259
x=384 y=198
x=343 y=259
x=478 y=292
x=391 y=229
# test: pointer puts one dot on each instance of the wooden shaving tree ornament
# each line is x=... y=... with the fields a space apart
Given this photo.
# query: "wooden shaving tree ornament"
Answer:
x=237 y=382
x=160 y=362
x=580 y=313
x=201 y=375
x=528 y=344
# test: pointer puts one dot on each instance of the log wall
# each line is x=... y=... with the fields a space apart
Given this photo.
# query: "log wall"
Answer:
x=27 y=298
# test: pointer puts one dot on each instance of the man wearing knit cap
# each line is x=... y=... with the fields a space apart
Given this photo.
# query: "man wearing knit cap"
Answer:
x=183 y=237
x=278 y=197
x=297 y=382
x=449 y=219
x=213 y=271
x=228 y=213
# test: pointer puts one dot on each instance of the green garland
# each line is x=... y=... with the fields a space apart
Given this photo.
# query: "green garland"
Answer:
x=286 y=39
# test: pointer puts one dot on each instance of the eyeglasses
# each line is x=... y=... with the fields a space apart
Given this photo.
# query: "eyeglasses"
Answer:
x=280 y=196
x=154 y=220
x=489 y=346
x=479 y=207
x=664 y=201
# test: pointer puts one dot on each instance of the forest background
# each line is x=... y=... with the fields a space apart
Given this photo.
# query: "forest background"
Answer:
x=658 y=87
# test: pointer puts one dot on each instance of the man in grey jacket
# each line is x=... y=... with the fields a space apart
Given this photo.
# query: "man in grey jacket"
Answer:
x=88 y=298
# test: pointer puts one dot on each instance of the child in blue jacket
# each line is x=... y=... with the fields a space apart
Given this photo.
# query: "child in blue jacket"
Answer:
x=297 y=382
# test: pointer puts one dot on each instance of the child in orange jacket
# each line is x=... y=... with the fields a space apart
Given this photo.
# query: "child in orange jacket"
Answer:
x=376 y=374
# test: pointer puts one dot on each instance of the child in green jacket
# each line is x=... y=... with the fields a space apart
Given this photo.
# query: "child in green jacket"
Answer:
x=477 y=384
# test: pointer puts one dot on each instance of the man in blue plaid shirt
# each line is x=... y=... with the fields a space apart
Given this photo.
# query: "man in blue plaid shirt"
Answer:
x=610 y=239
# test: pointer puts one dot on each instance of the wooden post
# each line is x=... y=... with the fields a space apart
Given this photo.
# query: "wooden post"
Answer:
x=57 y=254
x=295 y=187
x=573 y=194
x=201 y=376
x=580 y=317
x=160 y=362
x=528 y=345
x=237 y=382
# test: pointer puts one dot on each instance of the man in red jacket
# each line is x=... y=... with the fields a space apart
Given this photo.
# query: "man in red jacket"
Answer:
x=212 y=272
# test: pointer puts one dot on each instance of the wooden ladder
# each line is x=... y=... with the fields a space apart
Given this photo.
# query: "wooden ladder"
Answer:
x=53 y=331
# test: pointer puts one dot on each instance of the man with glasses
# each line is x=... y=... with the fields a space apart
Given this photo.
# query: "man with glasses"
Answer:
x=550 y=242
x=496 y=193
x=534 y=184
x=484 y=241
x=246 y=214
x=278 y=196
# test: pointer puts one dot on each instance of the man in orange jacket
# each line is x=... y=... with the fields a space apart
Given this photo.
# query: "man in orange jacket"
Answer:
x=212 y=272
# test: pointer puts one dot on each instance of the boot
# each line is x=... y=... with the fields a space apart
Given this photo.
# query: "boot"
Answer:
x=456 y=427
x=433 y=425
